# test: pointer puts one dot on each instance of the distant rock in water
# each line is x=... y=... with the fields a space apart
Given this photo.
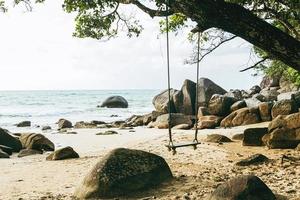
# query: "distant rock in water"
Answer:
x=122 y=172
x=24 y=124
x=115 y=102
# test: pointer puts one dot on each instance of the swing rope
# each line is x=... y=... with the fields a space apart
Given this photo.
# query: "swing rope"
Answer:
x=195 y=141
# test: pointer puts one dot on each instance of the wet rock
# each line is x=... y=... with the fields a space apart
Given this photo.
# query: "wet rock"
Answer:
x=219 y=105
x=83 y=124
x=243 y=187
x=36 y=141
x=24 y=124
x=115 y=102
x=217 y=138
x=283 y=107
x=243 y=116
x=238 y=105
x=28 y=152
x=109 y=132
x=44 y=128
x=3 y=154
x=8 y=140
x=161 y=101
x=176 y=119
x=239 y=136
x=122 y=172
x=209 y=121
x=63 y=123
x=253 y=160
x=253 y=136
x=206 y=89
x=6 y=149
x=62 y=154
x=265 y=111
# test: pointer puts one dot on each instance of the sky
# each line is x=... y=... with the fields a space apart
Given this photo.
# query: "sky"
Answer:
x=38 y=52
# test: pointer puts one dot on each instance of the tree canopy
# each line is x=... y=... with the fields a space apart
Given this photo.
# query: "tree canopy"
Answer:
x=272 y=26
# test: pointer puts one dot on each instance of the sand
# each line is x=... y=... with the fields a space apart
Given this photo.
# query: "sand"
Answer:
x=197 y=172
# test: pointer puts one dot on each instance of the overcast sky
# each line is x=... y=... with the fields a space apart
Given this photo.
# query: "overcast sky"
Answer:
x=38 y=52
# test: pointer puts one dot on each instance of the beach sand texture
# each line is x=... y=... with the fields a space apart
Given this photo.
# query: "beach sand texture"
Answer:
x=197 y=172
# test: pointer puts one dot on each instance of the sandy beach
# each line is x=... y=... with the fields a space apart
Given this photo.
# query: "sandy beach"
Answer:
x=197 y=172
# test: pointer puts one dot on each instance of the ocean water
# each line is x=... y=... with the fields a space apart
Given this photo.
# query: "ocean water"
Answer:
x=46 y=107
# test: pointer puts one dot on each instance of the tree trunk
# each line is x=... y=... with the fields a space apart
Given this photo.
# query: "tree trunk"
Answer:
x=239 y=21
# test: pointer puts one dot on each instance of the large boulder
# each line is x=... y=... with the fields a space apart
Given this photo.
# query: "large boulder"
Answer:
x=236 y=94
x=115 y=102
x=284 y=132
x=63 y=123
x=36 y=141
x=220 y=105
x=283 y=107
x=28 y=152
x=8 y=140
x=252 y=102
x=206 y=89
x=265 y=111
x=238 y=105
x=122 y=172
x=6 y=149
x=268 y=82
x=82 y=124
x=161 y=101
x=282 y=138
x=253 y=136
x=176 y=119
x=269 y=94
x=290 y=96
x=243 y=116
x=286 y=85
x=209 y=121
x=62 y=154
x=184 y=100
x=246 y=187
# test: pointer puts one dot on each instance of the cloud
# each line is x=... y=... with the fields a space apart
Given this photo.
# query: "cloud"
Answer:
x=38 y=52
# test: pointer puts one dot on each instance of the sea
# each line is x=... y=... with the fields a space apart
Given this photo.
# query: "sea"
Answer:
x=47 y=107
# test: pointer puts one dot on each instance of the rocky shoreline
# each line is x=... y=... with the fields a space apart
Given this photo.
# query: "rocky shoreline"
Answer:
x=246 y=169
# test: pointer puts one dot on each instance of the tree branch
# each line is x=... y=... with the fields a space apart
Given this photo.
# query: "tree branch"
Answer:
x=255 y=65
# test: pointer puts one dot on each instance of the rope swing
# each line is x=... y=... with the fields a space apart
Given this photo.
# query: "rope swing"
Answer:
x=171 y=146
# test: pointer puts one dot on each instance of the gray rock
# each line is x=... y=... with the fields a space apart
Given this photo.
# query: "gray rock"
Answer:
x=253 y=160
x=44 y=128
x=252 y=102
x=62 y=154
x=176 y=119
x=253 y=136
x=268 y=81
x=63 y=123
x=122 y=172
x=298 y=148
x=283 y=107
x=184 y=100
x=254 y=90
x=290 y=96
x=259 y=97
x=238 y=105
x=115 y=102
x=28 y=152
x=161 y=101
x=236 y=94
x=8 y=140
x=287 y=86
x=206 y=89
x=246 y=187
x=269 y=95
x=36 y=141
x=219 y=105
x=24 y=124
